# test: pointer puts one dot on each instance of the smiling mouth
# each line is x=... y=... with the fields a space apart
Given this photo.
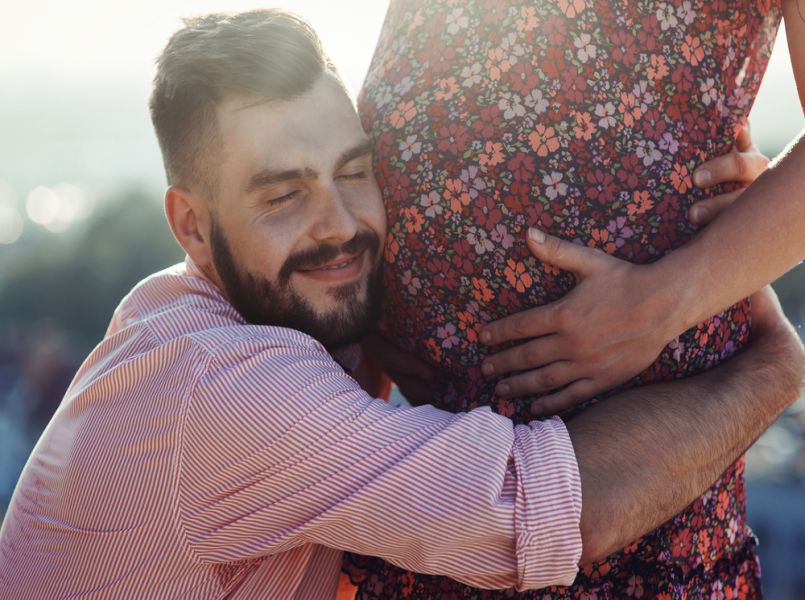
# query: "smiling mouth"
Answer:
x=341 y=265
x=339 y=270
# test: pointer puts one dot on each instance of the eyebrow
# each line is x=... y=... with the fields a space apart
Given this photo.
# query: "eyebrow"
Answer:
x=358 y=151
x=268 y=177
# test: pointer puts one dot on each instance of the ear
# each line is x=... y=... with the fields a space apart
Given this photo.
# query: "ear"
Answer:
x=189 y=219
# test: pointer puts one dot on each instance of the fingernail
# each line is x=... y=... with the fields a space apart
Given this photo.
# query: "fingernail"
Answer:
x=486 y=337
x=488 y=369
x=702 y=177
x=699 y=214
x=536 y=235
x=502 y=389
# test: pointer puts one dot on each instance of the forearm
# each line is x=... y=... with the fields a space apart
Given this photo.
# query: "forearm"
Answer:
x=646 y=454
x=752 y=243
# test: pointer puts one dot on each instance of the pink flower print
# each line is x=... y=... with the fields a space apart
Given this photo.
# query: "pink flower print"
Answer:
x=471 y=75
x=472 y=183
x=502 y=236
x=678 y=349
x=643 y=95
x=717 y=591
x=409 y=147
x=605 y=114
x=447 y=334
x=709 y=91
x=556 y=187
x=686 y=13
x=456 y=21
x=647 y=151
x=669 y=143
x=620 y=230
x=431 y=202
x=585 y=48
x=635 y=587
x=413 y=284
x=536 y=102
x=666 y=16
x=478 y=238
x=511 y=105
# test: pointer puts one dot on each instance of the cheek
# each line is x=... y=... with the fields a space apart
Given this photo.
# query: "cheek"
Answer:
x=265 y=248
x=374 y=211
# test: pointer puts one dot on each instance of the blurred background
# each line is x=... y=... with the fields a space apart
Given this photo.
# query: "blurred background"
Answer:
x=81 y=185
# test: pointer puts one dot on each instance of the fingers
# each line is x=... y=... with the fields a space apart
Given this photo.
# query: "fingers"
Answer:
x=766 y=311
x=702 y=213
x=563 y=254
x=547 y=378
x=576 y=393
x=528 y=355
x=531 y=323
x=742 y=167
x=743 y=142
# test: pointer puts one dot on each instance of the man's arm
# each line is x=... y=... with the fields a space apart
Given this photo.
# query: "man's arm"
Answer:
x=645 y=454
x=280 y=448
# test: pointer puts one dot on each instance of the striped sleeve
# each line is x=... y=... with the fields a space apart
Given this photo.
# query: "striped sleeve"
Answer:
x=280 y=448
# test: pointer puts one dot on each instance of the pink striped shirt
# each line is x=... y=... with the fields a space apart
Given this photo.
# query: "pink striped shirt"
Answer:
x=198 y=456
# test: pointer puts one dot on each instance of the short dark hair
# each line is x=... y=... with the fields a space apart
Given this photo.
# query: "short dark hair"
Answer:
x=269 y=54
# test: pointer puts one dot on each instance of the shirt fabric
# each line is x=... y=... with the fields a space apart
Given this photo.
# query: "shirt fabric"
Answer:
x=196 y=455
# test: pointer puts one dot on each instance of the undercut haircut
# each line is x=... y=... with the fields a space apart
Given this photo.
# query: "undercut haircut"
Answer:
x=266 y=54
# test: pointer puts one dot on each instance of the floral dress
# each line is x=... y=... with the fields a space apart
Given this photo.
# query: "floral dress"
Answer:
x=585 y=118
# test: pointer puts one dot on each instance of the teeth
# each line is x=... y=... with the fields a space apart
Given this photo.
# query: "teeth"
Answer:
x=338 y=266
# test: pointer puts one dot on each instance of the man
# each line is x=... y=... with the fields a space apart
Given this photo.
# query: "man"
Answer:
x=211 y=447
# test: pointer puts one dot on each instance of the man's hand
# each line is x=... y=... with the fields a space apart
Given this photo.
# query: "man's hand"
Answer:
x=612 y=325
x=674 y=439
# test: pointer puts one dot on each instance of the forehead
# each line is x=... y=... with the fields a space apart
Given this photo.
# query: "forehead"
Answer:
x=310 y=131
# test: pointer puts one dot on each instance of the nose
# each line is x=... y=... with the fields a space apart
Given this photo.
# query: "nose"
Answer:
x=333 y=221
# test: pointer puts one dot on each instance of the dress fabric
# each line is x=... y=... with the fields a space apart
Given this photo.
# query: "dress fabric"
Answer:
x=586 y=119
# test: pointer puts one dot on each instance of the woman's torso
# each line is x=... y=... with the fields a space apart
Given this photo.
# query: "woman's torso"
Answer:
x=587 y=120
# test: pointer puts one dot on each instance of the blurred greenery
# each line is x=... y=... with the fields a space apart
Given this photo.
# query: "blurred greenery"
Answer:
x=76 y=280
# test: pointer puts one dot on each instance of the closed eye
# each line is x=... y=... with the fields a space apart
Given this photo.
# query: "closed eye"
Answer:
x=356 y=175
x=282 y=199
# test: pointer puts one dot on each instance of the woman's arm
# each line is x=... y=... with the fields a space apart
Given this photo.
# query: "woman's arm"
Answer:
x=619 y=316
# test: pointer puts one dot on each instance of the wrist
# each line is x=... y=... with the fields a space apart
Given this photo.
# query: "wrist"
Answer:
x=667 y=302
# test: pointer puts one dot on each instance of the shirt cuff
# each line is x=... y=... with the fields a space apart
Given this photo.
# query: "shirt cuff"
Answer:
x=548 y=505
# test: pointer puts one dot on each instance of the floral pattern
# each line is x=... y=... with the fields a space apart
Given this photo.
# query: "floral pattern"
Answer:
x=585 y=118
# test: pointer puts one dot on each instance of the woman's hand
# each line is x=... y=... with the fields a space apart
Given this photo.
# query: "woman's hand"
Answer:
x=613 y=324
x=743 y=164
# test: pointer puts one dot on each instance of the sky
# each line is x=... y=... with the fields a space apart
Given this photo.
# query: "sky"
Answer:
x=75 y=78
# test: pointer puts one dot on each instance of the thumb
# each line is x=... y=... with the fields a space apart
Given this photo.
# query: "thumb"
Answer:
x=565 y=255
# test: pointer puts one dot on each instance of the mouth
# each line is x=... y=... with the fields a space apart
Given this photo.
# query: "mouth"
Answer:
x=342 y=269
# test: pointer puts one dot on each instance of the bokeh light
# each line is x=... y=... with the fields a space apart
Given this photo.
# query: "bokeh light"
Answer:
x=59 y=207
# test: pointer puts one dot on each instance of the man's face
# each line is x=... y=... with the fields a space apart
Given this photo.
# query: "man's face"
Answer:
x=298 y=221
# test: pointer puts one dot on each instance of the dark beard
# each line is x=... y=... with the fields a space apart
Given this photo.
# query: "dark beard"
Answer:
x=262 y=302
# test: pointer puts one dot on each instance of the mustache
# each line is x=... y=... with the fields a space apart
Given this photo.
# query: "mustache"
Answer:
x=313 y=257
